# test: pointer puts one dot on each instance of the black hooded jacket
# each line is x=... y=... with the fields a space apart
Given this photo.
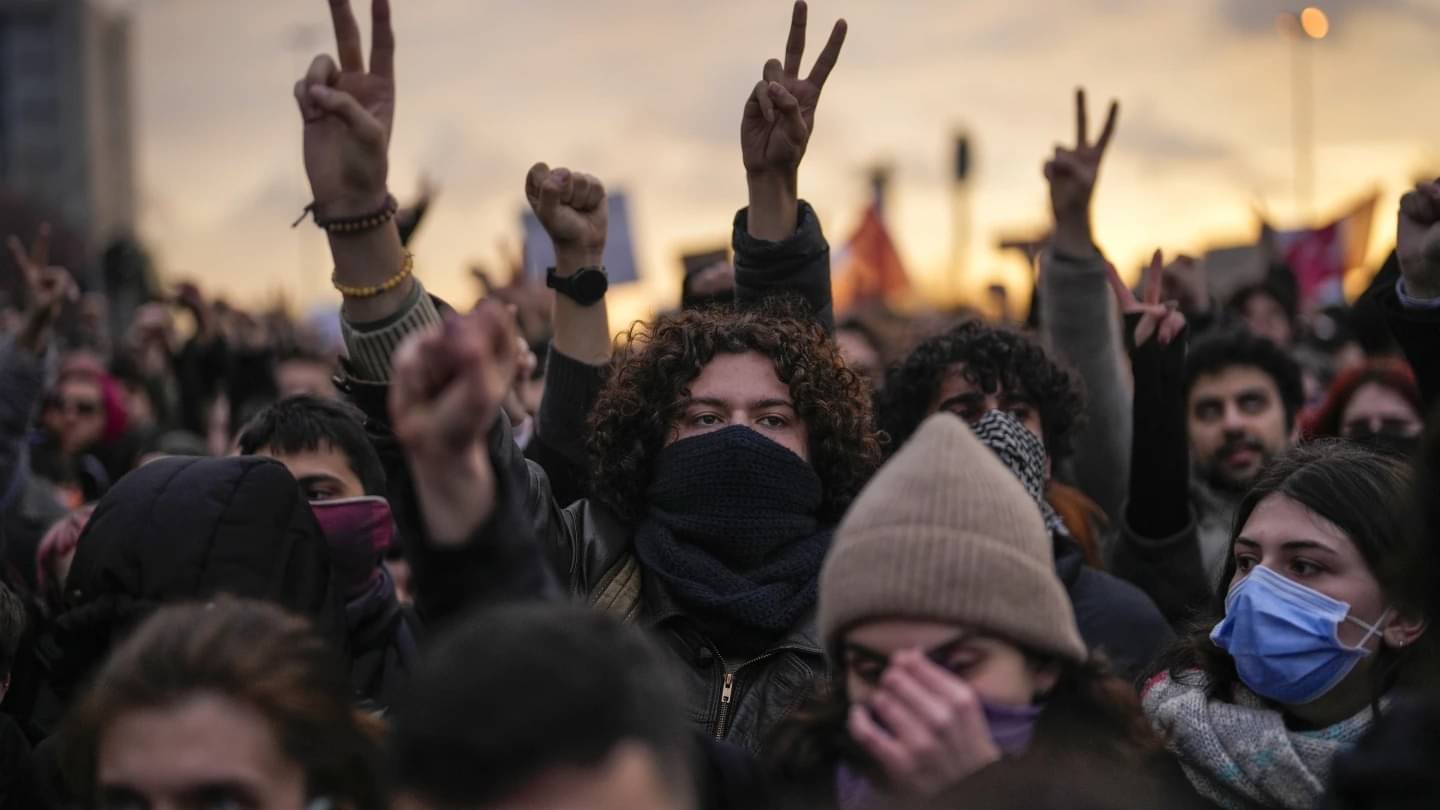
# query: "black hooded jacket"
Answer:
x=186 y=529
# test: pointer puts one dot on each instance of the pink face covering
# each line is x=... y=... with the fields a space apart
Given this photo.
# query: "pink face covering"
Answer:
x=358 y=531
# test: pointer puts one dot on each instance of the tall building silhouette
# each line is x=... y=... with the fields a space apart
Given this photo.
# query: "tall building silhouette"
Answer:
x=66 y=133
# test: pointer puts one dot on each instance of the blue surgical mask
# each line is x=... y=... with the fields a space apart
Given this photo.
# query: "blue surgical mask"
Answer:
x=1284 y=637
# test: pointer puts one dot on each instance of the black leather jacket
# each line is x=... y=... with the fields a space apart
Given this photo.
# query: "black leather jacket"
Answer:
x=739 y=700
x=590 y=550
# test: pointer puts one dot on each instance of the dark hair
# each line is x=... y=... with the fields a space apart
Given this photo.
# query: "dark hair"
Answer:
x=249 y=652
x=510 y=693
x=639 y=404
x=12 y=628
x=1390 y=372
x=994 y=358
x=1089 y=708
x=1364 y=494
x=306 y=423
x=859 y=326
x=1279 y=286
x=1216 y=353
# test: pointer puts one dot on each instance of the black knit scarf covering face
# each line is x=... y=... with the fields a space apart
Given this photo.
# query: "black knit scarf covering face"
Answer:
x=731 y=529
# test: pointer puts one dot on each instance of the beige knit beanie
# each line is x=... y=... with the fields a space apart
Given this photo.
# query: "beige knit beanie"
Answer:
x=945 y=532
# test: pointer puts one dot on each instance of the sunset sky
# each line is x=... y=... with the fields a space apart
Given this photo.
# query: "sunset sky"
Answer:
x=647 y=95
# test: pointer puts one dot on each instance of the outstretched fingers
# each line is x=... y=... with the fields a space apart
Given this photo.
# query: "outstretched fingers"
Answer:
x=1082 y=123
x=40 y=248
x=22 y=261
x=347 y=36
x=382 y=46
x=1150 y=281
x=830 y=55
x=795 y=44
x=1111 y=118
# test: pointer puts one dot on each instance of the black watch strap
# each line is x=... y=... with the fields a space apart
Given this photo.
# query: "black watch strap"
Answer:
x=587 y=286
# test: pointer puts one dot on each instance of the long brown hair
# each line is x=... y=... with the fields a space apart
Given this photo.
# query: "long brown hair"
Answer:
x=253 y=653
x=1367 y=495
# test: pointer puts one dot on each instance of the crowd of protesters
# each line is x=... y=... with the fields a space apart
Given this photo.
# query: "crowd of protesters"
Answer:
x=1155 y=550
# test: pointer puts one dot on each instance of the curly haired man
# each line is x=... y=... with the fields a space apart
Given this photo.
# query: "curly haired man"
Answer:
x=721 y=452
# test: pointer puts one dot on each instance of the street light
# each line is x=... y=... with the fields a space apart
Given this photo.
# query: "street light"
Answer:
x=1309 y=26
x=1314 y=23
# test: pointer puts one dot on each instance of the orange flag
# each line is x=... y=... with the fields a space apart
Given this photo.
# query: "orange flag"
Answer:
x=869 y=267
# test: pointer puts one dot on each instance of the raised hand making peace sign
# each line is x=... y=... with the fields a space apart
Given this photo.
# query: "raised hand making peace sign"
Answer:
x=1162 y=320
x=348 y=113
x=48 y=289
x=775 y=130
x=780 y=114
x=1072 y=174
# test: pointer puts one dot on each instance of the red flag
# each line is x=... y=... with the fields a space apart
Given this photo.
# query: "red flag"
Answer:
x=869 y=267
x=1319 y=257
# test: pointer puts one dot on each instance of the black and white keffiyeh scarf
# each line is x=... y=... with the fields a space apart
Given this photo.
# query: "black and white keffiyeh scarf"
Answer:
x=1024 y=453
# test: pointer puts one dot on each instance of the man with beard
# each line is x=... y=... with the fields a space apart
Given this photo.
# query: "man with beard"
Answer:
x=1240 y=396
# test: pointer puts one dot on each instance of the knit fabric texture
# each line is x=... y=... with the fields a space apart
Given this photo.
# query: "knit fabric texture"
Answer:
x=946 y=532
x=731 y=529
x=370 y=345
x=1024 y=453
x=1238 y=753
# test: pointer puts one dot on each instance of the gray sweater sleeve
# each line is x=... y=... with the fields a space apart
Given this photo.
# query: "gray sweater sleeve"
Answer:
x=371 y=344
x=1080 y=328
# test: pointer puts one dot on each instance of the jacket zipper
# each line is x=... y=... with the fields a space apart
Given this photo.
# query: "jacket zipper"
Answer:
x=726 y=693
x=727 y=687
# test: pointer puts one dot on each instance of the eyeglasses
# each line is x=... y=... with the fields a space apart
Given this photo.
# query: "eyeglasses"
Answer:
x=1384 y=426
x=79 y=407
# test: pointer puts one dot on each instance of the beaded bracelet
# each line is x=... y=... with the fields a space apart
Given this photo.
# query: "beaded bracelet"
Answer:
x=406 y=270
x=368 y=222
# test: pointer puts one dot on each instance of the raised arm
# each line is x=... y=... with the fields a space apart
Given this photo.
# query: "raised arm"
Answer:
x=572 y=208
x=478 y=541
x=1412 y=309
x=348 y=113
x=575 y=214
x=1157 y=546
x=22 y=363
x=1079 y=325
x=778 y=244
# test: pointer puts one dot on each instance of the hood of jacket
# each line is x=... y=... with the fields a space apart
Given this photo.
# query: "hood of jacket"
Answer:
x=183 y=529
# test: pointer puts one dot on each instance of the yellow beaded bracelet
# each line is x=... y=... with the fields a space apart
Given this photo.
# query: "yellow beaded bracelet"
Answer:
x=385 y=286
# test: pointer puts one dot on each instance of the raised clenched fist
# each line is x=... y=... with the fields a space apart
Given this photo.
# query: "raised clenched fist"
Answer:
x=1417 y=240
x=572 y=208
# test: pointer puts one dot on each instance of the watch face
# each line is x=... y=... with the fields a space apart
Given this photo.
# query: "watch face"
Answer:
x=590 y=285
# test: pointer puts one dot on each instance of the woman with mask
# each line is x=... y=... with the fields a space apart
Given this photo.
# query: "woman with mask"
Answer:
x=956 y=665
x=1317 y=625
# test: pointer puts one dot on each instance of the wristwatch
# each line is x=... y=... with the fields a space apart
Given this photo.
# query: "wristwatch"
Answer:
x=587 y=286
